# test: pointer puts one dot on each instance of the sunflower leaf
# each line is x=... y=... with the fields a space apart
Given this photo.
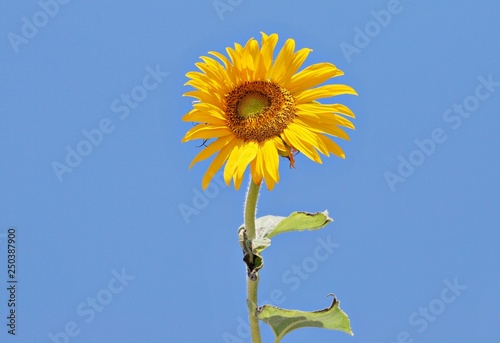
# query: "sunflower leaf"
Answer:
x=284 y=321
x=254 y=263
x=262 y=226
x=269 y=226
x=300 y=221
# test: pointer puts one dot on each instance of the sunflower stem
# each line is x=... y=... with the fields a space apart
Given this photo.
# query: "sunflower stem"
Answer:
x=252 y=280
x=251 y=209
x=252 y=310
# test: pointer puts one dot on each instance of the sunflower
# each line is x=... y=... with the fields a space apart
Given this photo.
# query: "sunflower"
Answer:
x=253 y=110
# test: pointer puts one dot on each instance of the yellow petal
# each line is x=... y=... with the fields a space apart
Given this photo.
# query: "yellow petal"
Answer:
x=312 y=76
x=209 y=117
x=236 y=62
x=250 y=50
x=326 y=113
x=325 y=118
x=322 y=127
x=206 y=131
x=212 y=70
x=278 y=143
x=232 y=161
x=332 y=147
x=202 y=85
x=344 y=122
x=282 y=62
x=307 y=135
x=221 y=57
x=271 y=158
x=292 y=135
x=298 y=58
x=342 y=109
x=211 y=149
x=206 y=97
x=256 y=167
x=240 y=157
x=247 y=155
x=324 y=108
x=267 y=50
x=268 y=177
x=323 y=92
x=229 y=66
x=216 y=164
x=215 y=73
x=195 y=75
x=207 y=107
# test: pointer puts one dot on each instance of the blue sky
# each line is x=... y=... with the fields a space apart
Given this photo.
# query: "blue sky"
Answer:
x=104 y=253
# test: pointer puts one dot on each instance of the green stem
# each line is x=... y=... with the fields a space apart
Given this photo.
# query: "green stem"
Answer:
x=251 y=209
x=252 y=285
x=254 y=321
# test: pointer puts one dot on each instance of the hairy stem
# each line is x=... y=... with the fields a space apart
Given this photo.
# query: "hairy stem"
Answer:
x=251 y=209
x=254 y=321
x=252 y=282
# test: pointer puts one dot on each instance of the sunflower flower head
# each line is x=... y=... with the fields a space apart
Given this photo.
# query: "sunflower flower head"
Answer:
x=253 y=109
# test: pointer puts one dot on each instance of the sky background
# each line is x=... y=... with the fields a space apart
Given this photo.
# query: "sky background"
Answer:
x=415 y=258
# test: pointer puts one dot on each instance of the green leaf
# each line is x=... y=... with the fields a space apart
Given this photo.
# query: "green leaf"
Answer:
x=267 y=227
x=283 y=321
x=299 y=221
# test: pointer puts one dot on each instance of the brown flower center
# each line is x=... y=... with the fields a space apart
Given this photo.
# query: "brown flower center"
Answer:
x=259 y=110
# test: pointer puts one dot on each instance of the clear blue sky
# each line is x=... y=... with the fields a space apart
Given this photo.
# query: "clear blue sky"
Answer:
x=103 y=251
